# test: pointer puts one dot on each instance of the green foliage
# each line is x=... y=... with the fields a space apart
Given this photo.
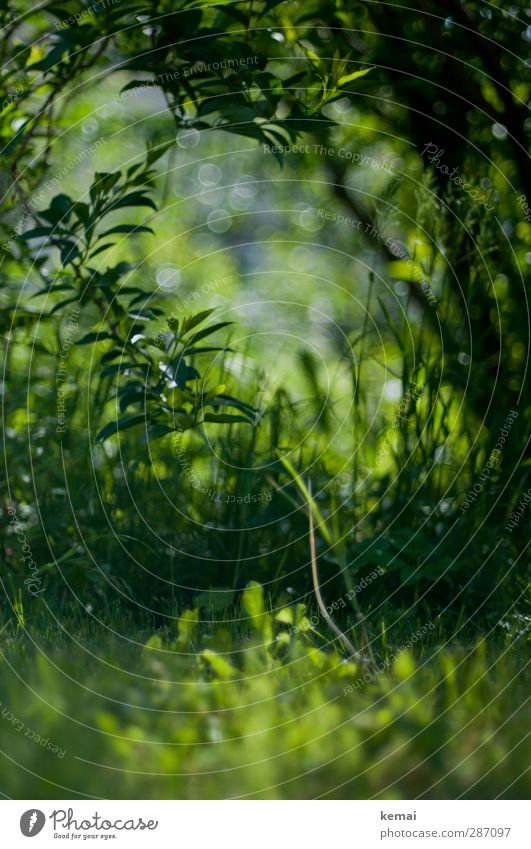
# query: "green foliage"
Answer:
x=219 y=82
x=214 y=713
x=167 y=393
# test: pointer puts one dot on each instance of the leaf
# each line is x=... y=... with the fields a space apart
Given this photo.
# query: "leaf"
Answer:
x=253 y=600
x=194 y=320
x=101 y=249
x=296 y=78
x=36 y=233
x=51 y=59
x=183 y=421
x=178 y=396
x=317 y=63
x=292 y=615
x=69 y=252
x=225 y=418
x=82 y=211
x=348 y=78
x=146 y=314
x=285 y=615
x=111 y=355
x=63 y=203
x=208 y=330
x=97 y=336
x=212 y=393
x=191 y=351
x=105 y=181
x=135 y=396
x=224 y=400
x=62 y=304
x=188 y=624
x=217 y=401
x=154 y=643
x=157 y=152
x=132 y=199
x=121 y=424
x=141 y=296
x=155 y=431
x=221 y=667
x=53 y=216
x=180 y=373
x=54 y=287
x=133 y=168
x=127 y=228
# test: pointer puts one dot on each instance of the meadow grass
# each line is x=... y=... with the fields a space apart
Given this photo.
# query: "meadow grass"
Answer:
x=250 y=707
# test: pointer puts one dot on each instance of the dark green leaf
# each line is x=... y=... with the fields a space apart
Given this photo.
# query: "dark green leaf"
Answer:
x=126 y=228
x=101 y=248
x=224 y=418
x=69 y=252
x=193 y=321
x=145 y=314
x=90 y=338
x=191 y=351
x=156 y=153
x=82 y=211
x=208 y=330
x=122 y=424
x=132 y=199
x=62 y=304
x=36 y=233
x=110 y=355
x=155 y=431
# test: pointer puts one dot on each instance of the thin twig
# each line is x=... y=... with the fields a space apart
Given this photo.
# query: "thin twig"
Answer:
x=317 y=590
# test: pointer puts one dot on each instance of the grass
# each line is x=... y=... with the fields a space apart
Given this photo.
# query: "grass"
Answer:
x=253 y=708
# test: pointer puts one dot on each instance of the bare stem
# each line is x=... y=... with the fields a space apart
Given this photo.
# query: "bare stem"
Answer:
x=317 y=590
